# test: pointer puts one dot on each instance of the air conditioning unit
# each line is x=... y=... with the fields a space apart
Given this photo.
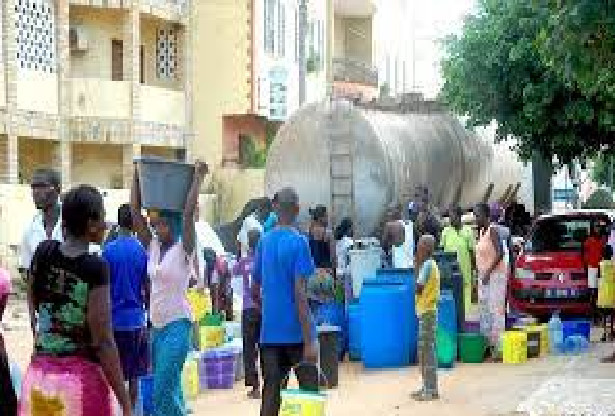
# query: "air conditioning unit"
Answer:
x=78 y=39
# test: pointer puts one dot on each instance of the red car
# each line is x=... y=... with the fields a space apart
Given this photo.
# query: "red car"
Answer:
x=551 y=274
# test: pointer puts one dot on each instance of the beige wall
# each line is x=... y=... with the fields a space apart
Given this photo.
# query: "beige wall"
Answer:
x=221 y=71
x=348 y=43
x=163 y=105
x=37 y=91
x=164 y=152
x=93 y=97
x=100 y=27
x=237 y=187
x=36 y=153
x=97 y=164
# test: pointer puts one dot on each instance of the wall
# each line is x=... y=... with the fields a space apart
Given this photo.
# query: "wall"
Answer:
x=4 y=163
x=159 y=151
x=163 y=105
x=353 y=39
x=35 y=153
x=239 y=186
x=100 y=27
x=93 y=97
x=97 y=164
x=221 y=71
x=37 y=91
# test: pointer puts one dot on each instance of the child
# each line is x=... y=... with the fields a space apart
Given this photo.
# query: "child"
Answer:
x=250 y=316
x=8 y=403
x=427 y=296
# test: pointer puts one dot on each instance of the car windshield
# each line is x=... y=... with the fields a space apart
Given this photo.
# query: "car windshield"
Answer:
x=564 y=233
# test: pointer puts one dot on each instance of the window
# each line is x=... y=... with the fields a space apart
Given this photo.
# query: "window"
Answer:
x=167 y=53
x=117 y=60
x=269 y=35
x=281 y=30
x=35 y=35
x=297 y=35
x=563 y=233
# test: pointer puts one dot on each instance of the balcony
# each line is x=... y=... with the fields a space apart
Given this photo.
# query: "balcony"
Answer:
x=163 y=106
x=355 y=8
x=94 y=97
x=355 y=72
x=173 y=10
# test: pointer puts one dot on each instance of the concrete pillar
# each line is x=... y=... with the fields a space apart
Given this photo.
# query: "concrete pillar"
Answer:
x=12 y=155
x=131 y=151
x=62 y=161
x=9 y=65
x=187 y=74
x=63 y=156
x=132 y=147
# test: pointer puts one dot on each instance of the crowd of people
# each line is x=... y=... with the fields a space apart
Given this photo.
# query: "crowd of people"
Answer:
x=109 y=308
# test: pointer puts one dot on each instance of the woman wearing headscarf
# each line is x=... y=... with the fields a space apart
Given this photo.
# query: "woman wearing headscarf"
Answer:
x=172 y=264
x=459 y=239
x=492 y=278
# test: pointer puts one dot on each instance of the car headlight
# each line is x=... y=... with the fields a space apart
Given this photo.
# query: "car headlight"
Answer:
x=523 y=274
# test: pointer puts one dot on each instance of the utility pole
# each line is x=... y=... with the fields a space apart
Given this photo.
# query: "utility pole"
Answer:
x=302 y=53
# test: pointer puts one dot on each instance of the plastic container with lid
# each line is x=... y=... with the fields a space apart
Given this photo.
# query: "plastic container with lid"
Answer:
x=472 y=347
x=388 y=324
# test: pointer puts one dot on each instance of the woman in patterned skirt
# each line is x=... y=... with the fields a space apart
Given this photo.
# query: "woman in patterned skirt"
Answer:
x=75 y=357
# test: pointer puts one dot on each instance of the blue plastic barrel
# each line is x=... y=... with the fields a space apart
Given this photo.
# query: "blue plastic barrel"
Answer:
x=386 y=304
x=354 y=329
x=447 y=312
x=447 y=329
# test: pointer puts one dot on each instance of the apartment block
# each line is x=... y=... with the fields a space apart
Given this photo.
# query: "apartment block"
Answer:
x=87 y=85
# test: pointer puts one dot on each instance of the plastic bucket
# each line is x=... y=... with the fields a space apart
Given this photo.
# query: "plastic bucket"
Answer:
x=446 y=348
x=164 y=184
x=302 y=403
x=190 y=377
x=354 y=331
x=515 y=347
x=472 y=347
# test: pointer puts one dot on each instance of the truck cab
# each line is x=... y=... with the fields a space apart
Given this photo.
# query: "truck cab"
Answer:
x=551 y=274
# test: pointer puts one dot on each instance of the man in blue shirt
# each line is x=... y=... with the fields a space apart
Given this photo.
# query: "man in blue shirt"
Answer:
x=129 y=299
x=282 y=266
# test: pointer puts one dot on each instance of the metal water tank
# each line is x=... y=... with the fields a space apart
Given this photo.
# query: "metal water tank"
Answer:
x=393 y=154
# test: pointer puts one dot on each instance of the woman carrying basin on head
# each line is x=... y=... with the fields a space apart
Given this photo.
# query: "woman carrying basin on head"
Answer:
x=172 y=264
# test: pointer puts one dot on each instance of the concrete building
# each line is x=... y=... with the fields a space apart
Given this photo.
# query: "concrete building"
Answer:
x=87 y=85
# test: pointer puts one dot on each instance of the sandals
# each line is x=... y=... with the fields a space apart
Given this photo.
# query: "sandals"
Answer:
x=421 y=396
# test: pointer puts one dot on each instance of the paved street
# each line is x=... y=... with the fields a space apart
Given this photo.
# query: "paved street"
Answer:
x=547 y=386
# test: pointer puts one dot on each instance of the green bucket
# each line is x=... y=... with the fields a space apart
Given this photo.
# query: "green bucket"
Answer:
x=472 y=347
x=446 y=348
x=211 y=319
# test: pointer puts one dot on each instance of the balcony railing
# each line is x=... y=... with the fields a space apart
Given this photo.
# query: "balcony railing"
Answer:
x=163 y=106
x=93 y=97
x=348 y=70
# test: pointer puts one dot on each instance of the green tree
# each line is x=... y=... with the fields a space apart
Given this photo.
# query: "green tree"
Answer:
x=578 y=43
x=603 y=170
x=495 y=70
x=600 y=199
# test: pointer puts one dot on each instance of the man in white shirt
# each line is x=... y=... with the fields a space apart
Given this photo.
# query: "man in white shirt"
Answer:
x=46 y=224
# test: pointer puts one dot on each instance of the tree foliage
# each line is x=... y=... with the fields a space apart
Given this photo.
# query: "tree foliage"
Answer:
x=602 y=171
x=600 y=199
x=499 y=69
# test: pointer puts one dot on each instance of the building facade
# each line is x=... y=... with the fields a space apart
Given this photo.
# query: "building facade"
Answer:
x=87 y=85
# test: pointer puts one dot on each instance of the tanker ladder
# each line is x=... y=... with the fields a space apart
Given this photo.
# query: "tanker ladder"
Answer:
x=341 y=160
